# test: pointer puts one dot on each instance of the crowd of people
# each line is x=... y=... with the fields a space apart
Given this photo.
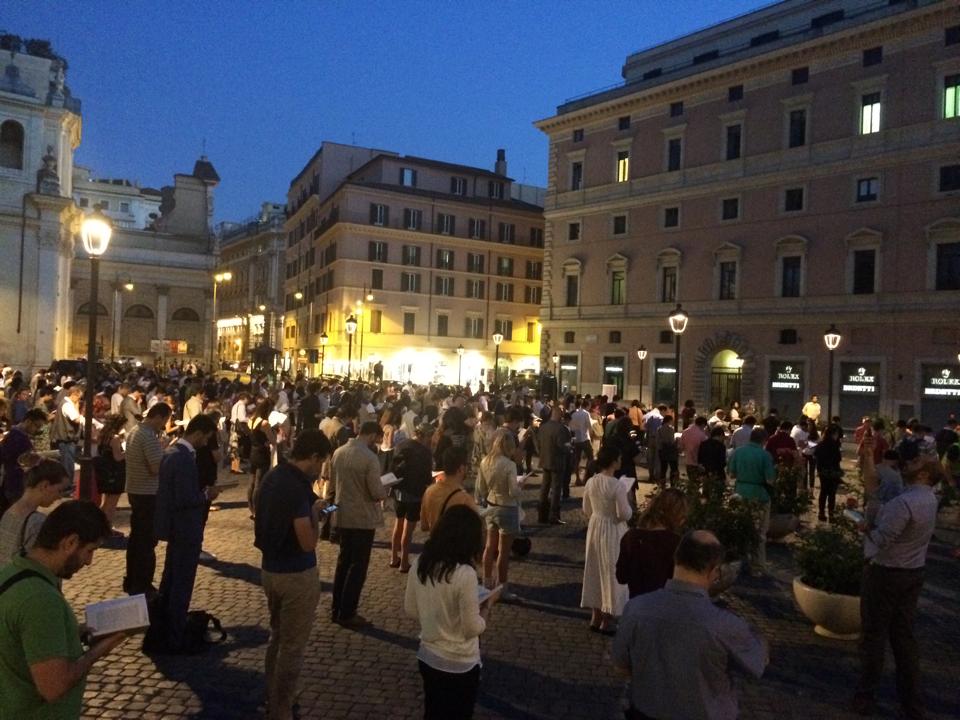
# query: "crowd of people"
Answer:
x=322 y=459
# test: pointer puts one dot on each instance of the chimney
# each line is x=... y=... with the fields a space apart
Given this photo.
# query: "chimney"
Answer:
x=500 y=168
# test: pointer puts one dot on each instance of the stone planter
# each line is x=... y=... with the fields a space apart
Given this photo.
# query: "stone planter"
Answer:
x=781 y=525
x=729 y=572
x=833 y=615
x=948 y=525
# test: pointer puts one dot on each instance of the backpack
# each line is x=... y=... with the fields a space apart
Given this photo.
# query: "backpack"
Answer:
x=202 y=631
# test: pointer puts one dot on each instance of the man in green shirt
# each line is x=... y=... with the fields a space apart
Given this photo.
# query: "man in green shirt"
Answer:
x=752 y=467
x=42 y=662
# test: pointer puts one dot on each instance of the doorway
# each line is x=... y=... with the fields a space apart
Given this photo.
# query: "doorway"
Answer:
x=725 y=381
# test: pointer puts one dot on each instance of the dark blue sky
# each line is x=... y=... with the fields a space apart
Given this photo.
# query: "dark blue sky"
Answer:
x=265 y=82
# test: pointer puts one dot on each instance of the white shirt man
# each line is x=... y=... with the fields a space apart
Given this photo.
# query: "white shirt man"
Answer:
x=580 y=425
x=741 y=437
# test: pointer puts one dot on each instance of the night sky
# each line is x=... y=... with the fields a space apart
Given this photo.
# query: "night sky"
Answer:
x=264 y=82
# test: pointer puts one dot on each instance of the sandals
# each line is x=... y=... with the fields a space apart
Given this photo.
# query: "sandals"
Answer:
x=394 y=564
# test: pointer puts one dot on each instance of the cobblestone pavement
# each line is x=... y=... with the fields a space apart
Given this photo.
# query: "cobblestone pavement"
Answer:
x=540 y=662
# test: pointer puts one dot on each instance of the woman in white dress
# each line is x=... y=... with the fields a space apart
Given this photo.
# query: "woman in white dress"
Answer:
x=606 y=507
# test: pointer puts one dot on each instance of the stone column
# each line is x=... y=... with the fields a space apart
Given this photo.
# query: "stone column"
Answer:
x=163 y=295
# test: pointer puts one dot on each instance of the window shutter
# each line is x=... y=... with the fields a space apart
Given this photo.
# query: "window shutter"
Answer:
x=453 y=224
x=471 y=227
x=386 y=215
x=373 y=213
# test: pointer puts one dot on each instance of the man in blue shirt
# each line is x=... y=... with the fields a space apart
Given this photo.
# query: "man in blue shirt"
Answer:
x=752 y=467
x=286 y=532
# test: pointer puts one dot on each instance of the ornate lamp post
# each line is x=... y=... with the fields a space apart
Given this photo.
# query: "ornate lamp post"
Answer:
x=459 y=364
x=324 y=339
x=641 y=355
x=556 y=375
x=831 y=338
x=351 y=327
x=738 y=364
x=95 y=234
x=678 y=323
x=497 y=339
x=220 y=277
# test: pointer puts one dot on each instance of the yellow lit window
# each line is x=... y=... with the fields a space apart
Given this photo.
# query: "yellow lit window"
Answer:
x=623 y=166
x=951 y=96
x=870 y=113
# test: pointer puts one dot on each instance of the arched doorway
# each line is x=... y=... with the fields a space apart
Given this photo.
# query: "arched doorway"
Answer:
x=725 y=380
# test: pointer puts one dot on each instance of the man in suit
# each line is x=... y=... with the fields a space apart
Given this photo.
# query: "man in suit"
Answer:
x=180 y=510
x=553 y=437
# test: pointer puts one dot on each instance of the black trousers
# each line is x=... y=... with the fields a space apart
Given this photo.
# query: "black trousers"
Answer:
x=141 y=545
x=828 y=494
x=449 y=696
x=581 y=450
x=551 y=488
x=351 y=574
x=176 y=588
x=888 y=605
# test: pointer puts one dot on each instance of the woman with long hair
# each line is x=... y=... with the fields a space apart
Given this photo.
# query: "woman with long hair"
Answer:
x=827 y=455
x=646 y=552
x=262 y=441
x=111 y=466
x=498 y=488
x=607 y=510
x=442 y=594
x=43 y=484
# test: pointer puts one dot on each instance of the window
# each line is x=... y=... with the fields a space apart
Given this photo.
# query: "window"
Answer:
x=868 y=189
x=534 y=270
x=948 y=266
x=376 y=279
x=84 y=202
x=864 y=271
x=870 y=113
x=536 y=237
x=872 y=56
x=624 y=123
x=458 y=186
x=11 y=145
x=475 y=289
x=504 y=327
x=730 y=209
x=376 y=321
x=667 y=337
x=615 y=337
x=676 y=109
x=531 y=332
x=797 y=133
x=408 y=177
x=799 y=76
x=445 y=259
x=576 y=175
x=618 y=293
x=735 y=93
x=477 y=229
x=412 y=219
x=619 y=224
x=951 y=96
x=473 y=327
x=793 y=200
x=446 y=224
x=668 y=284
x=495 y=189
x=532 y=294
x=411 y=255
x=569 y=336
x=505 y=292
x=179 y=315
x=674 y=154
x=376 y=251
x=573 y=231
x=671 y=217
x=410 y=282
x=578 y=135
x=145 y=313
x=623 y=165
x=443 y=322
x=788 y=336
x=506 y=233
x=734 y=137
x=475 y=262
x=790 y=276
x=573 y=290
x=505 y=266
x=728 y=280
x=951 y=36
x=409 y=323
x=443 y=285
x=949 y=178
x=125 y=207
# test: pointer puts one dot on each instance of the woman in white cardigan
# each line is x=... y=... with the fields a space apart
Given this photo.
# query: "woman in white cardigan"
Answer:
x=442 y=593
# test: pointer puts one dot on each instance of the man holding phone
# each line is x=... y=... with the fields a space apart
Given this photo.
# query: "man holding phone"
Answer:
x=286 y=532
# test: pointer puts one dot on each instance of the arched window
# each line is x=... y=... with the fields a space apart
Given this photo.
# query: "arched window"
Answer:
x=139 y=311
x=85 y=309
x=11 y=145
x=186 y=314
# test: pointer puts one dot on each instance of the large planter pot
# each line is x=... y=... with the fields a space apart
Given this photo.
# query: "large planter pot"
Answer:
x=729 y=572
x=781 y=525
x=948 y=525
x=833 y=615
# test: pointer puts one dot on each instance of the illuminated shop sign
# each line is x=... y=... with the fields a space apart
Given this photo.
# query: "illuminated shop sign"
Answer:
x=941 y=381
x=786 y=376
x=859 y=379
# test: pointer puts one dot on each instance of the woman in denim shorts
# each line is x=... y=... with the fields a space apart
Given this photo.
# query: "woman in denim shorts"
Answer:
x=499 y=491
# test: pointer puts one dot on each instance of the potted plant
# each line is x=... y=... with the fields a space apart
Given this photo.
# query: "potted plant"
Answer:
x=830 y=560
x=788 y=501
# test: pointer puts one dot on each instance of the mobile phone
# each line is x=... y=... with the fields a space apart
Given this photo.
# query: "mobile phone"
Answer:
x=328 y=509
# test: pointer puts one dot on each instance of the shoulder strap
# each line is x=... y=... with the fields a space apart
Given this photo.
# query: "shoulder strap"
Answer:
x=22 y=575
x=23 y=531
x=444 y=506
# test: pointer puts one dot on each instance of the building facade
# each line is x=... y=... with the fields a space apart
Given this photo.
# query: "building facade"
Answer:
x=428 y=257
x=793 y=168
x=126 y=203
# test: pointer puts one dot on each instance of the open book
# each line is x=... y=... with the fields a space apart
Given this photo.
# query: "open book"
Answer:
x=276 y=418
x=123 y=614
x=389 y=480
x=484 y=592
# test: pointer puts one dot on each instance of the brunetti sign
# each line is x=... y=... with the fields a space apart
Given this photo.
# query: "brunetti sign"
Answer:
x=859 y=379
x=785 y=377
x=941 y=381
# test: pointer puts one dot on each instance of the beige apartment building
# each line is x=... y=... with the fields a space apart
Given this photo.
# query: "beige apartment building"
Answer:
x=427 y=257
x=790 y=169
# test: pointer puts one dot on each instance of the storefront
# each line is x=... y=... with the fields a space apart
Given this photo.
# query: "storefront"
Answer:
x=569 y=373
x=786 y=389
x=940 y=393
x=613 y=372
x=859 y=392
x=664 y=377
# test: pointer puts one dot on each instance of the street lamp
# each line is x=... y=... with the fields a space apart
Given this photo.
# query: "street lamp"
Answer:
x=738 y=364
x=324 y=339
x=831 y=338
x=497 y=339
x=641 y=355
x=459 y=363
x=95 y=234
x=351 y=327
x=220 y=277
x=678 y=323
x=556 y=375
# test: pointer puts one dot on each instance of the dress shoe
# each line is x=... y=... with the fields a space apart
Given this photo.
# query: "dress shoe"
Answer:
x=353 y=623
x=558 y=521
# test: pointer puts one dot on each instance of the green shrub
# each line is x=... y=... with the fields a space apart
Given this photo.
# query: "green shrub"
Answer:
x=786 y=496
x=733 y=520
x=831 y=558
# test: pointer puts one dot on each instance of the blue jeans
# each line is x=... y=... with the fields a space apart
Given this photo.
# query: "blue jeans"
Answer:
x=68 y=458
